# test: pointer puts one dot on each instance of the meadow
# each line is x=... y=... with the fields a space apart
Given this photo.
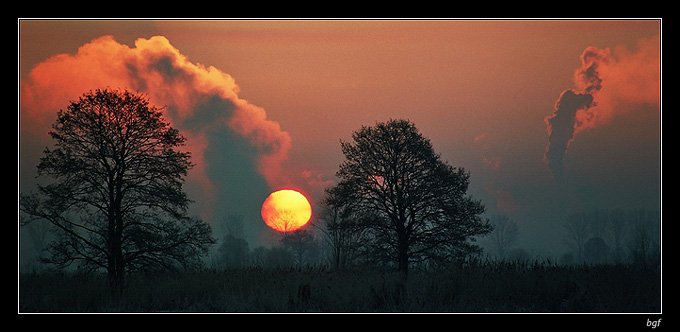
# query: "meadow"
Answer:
x=500 y=287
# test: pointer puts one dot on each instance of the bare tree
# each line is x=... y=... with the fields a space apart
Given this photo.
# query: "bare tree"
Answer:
x=578 y=232
x=284 y=221
x=645 y=238
x=302 y=245
x=233 y=252
x=39 y=234
x=117 y=194
x=418 y=204
x=504 y=234
x=600 y=222
x=619 y=227
x=233 y=225
x=596 y=250
x=343 y=235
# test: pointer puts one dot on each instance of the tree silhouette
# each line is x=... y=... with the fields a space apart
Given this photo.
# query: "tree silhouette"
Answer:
x=504 y=234
x=286 y=220
x=416 y=206
x=117 y=197
x=595 y=250
x=343 y=235
x=233 y=252
x=578 y=232
x=302 y=245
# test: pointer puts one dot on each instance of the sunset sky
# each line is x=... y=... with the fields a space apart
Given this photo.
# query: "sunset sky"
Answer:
x=264 y=104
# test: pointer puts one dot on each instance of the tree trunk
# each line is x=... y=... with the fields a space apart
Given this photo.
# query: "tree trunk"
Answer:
x=116 y=266
x=403 y=255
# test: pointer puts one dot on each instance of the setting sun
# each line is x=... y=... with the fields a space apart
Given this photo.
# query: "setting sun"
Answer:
x=387 y=158
x=286 y=210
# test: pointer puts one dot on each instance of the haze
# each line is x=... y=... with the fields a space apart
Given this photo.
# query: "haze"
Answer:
x=265 y=104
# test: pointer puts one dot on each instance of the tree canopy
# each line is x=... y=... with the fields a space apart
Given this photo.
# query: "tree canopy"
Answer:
x=415 y=205
x=116 y=196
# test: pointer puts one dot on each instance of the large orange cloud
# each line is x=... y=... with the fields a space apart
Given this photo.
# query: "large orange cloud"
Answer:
x=198 y=100
x=617 y=80
x=607 y=84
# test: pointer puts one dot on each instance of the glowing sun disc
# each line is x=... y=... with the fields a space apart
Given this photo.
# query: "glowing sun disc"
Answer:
x=286 y=210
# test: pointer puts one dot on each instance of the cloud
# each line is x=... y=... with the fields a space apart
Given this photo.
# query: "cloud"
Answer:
x=483 y=143
x=236 y=148
x=561 y=127
x=504 y=200
x=315 y=180
x=607 y=83
x=618 y=80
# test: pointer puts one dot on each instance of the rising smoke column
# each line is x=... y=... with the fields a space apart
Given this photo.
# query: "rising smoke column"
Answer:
x=603 y=84
x=238 y=152
x=561 y=128
x=564 y=123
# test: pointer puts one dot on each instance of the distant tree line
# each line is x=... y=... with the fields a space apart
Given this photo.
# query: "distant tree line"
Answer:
x=614 y=236
x=595 y=237
x=295 y=248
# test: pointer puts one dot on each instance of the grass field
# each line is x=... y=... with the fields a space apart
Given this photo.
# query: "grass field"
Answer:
x=482 y=287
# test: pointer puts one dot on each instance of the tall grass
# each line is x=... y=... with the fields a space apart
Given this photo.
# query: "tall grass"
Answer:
x=475 y=287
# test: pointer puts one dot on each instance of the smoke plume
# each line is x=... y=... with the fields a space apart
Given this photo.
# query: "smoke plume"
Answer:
x=604 y=86
x=238 y=152
x=561 y=127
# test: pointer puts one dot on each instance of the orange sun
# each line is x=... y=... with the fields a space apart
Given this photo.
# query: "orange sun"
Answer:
x=286 y=210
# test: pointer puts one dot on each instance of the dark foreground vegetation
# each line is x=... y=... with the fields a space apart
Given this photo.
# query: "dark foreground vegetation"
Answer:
x=480 y=287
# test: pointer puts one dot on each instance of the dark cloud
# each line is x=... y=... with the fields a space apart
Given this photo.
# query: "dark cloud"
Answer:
x=561 y=128
x=231 y=165
x=237 y=150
